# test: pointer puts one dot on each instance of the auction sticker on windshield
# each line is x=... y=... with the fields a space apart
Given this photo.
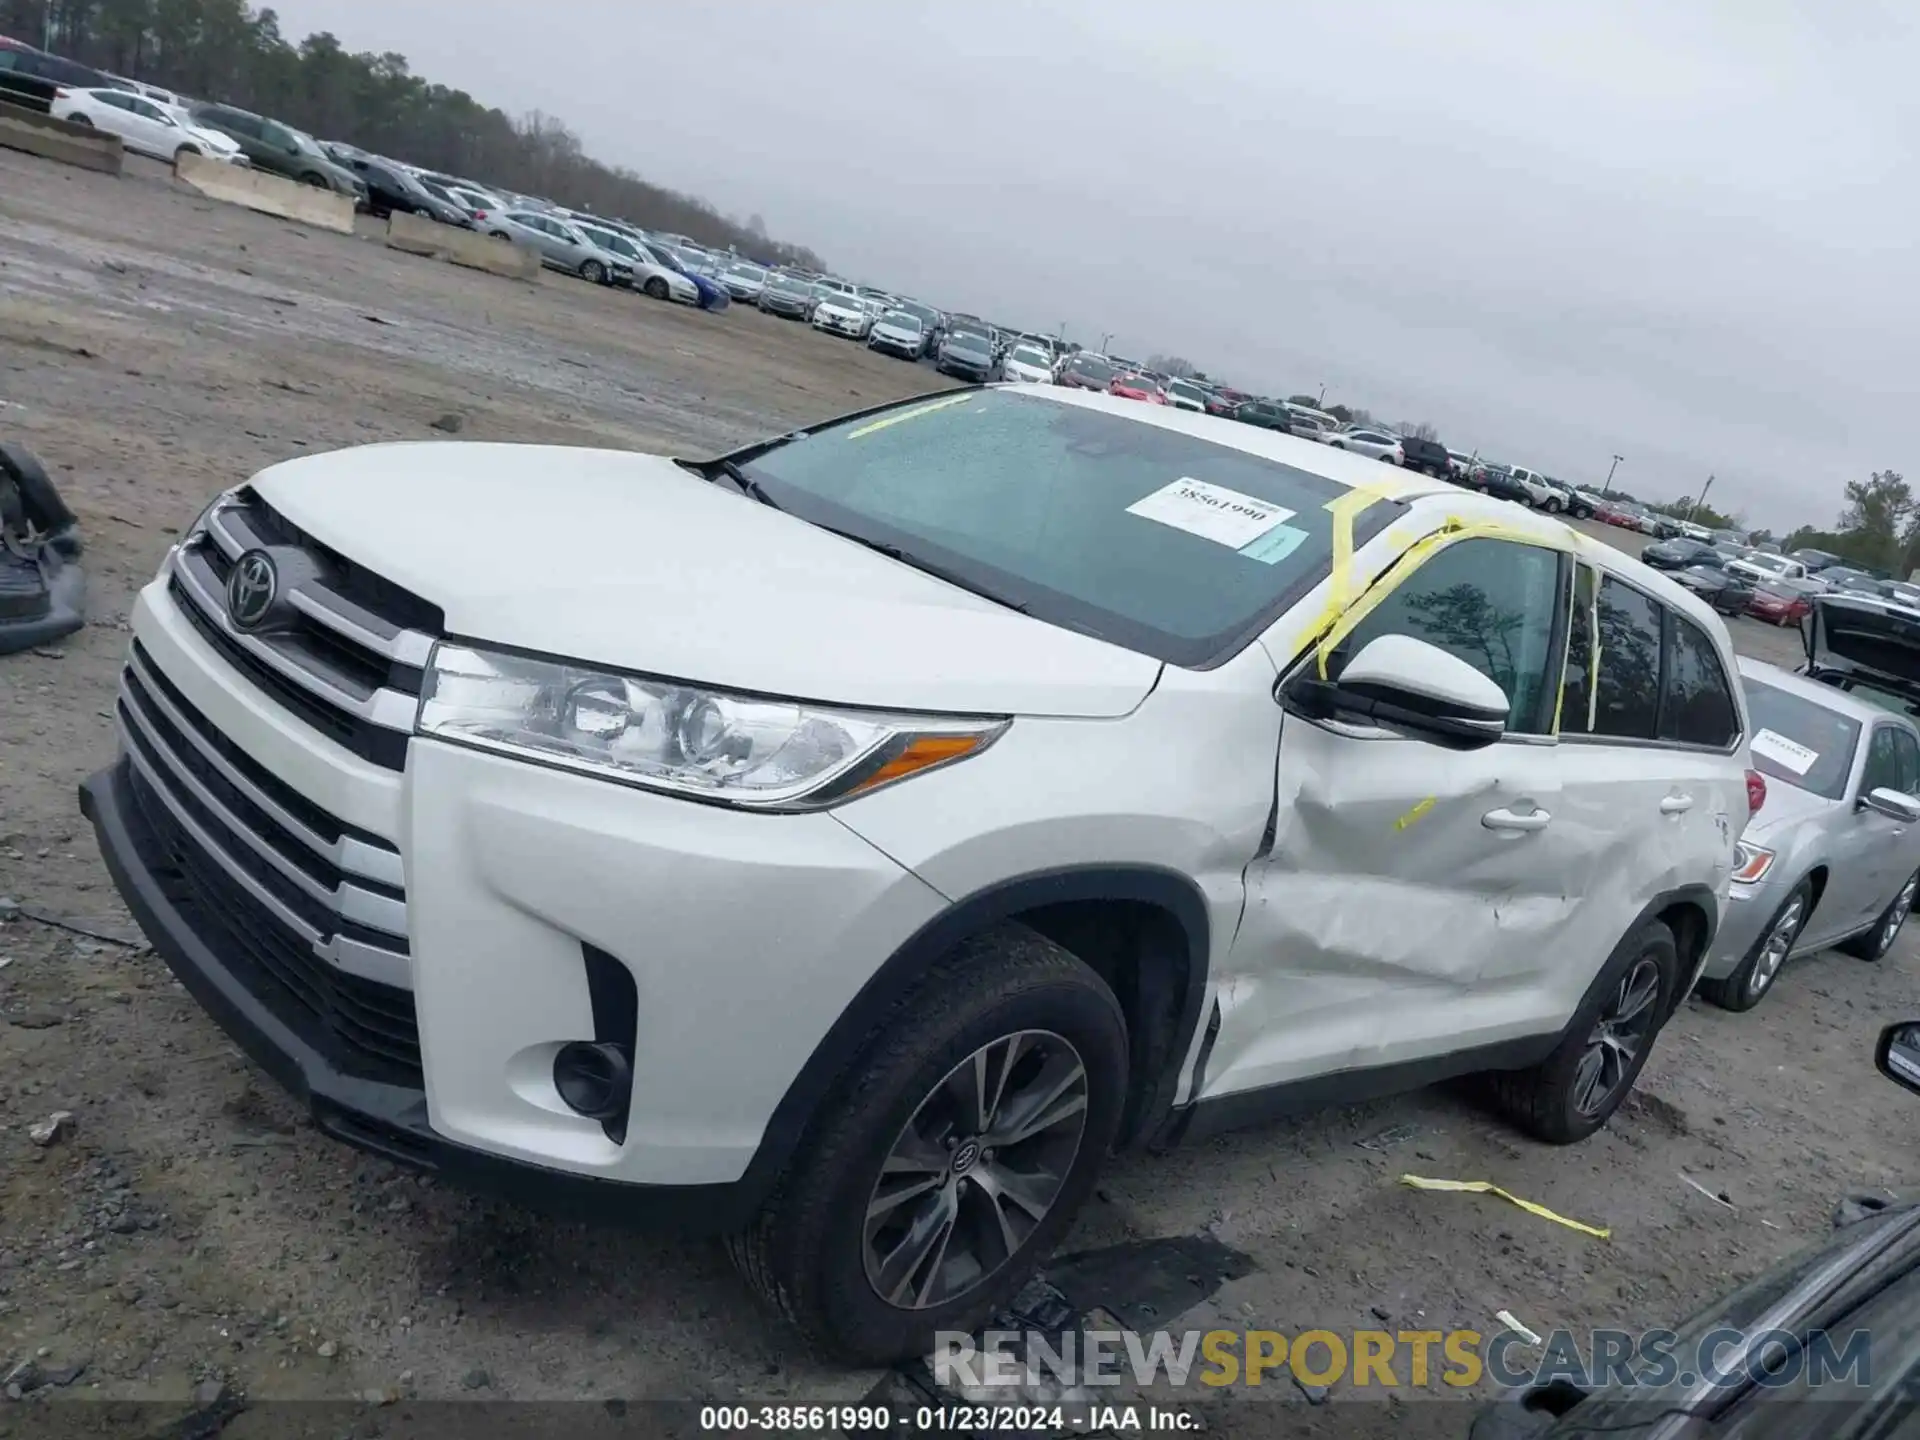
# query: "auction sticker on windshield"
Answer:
x=1212 y=512
x=1772 y=745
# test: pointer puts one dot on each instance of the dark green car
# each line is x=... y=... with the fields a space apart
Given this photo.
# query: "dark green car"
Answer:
x=281 y=150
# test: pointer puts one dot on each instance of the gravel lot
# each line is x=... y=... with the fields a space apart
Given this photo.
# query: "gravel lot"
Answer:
x=155 y=347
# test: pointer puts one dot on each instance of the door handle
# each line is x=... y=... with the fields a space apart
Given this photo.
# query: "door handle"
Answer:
x=1515 y=820
x=1676 y=805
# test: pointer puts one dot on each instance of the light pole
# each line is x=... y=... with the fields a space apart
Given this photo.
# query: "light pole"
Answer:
x=1103 y=341
x=1321 y=403
x=1607 y=488
x=1700 y=500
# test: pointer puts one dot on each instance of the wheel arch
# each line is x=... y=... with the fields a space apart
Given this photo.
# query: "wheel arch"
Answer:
x=1143 y=929
x=1692 y=913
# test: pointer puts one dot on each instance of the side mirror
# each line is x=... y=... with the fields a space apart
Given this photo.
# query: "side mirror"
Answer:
x=1407 y=685
x=1897 y=1056
x=1894 y=804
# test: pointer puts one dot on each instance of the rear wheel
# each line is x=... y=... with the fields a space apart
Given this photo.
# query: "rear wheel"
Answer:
x=79 y=120
x=951 y=1157
x=1747 y=986
x=316 y=180
x=1875 y=943
x=500 y=235
x=1576 y=1089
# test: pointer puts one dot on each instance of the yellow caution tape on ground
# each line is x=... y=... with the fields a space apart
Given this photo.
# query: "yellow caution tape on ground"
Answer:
x=912 y=414
x=1487 y=1187
x=1412 y=816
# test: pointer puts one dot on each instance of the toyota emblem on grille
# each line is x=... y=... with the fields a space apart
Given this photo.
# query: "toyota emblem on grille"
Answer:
x=252 y=587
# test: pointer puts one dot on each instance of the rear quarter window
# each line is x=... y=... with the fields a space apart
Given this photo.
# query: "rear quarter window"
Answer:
x=1698 y=706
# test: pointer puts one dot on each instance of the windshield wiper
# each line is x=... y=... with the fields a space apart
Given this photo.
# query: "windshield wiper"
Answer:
x=746 y=484
x=925 y=567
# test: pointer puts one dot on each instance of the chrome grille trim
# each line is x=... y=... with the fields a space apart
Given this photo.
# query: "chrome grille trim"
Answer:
x=385 y=707
x=226 y=525
x=349 y=902
x=347 y=853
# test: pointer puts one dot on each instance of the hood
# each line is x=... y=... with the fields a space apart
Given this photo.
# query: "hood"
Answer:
x=639 y=565
x=1867 y=640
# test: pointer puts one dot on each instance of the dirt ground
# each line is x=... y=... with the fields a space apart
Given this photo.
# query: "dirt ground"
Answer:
x=155 y=348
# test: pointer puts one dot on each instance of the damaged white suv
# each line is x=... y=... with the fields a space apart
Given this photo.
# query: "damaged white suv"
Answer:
x=846 y=843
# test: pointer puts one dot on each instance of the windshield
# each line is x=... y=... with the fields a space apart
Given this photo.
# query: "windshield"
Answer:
x=1186 y=391
x=901 y=320
x=1768 y=562
x=1172 y=546
x=788 y=285
x=746 y=272
x=971 y=343
x=1817 y=753
x=1093 y=370
x=1027 y=355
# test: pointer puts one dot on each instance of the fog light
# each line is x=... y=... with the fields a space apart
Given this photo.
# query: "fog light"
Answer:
x=595 y=1078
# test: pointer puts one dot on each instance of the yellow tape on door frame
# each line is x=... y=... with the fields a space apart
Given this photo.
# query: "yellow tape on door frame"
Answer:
x=1343 y=611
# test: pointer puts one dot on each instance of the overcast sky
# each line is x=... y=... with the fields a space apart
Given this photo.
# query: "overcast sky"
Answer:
x=1685 y=233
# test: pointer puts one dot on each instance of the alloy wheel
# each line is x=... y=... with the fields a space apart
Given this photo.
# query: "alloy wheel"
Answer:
x=1773 y=952
x=1618 y=1036
x=1902 y=907
x=975 y=1170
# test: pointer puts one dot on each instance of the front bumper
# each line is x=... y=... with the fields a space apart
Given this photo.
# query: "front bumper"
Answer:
x=514 y=878
x=1742 y=919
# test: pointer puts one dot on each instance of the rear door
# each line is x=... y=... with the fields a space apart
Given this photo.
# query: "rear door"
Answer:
x=1654 y=770
x=1398 y=871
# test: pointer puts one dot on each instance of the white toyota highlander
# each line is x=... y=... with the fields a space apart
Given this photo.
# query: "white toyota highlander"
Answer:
x=844 y=844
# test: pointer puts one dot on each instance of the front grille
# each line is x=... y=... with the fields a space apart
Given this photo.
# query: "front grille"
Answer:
x=309 y=914
x=346 y=655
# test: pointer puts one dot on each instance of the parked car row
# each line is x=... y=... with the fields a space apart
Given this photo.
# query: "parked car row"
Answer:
x=1739 y=579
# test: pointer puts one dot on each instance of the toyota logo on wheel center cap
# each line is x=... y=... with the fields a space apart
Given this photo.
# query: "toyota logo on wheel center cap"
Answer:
x=252 y=586
x=964 y=1157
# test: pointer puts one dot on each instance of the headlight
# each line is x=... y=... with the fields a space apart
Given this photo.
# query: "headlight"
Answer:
x=1750 y=862
x=683 y=739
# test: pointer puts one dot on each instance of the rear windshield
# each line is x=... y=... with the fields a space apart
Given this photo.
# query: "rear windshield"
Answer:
x=1817 y=753
x=1172 y=546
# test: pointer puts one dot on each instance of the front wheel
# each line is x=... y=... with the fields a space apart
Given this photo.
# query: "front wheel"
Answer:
x=79 y=120
x=952 y=1156
x=593 y=272
x=1747 y=986
x=655 y=287
x=186 y=150
x=318 y=182
x=1576 y=1089
x=1875 y=943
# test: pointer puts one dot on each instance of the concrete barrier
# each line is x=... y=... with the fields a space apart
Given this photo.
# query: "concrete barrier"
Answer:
x=269 y=194
x=60 y=140
x=417 y=235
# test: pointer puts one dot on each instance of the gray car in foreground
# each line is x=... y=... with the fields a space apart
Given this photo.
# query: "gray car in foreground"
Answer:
x=1833 y=856
x=561 y=245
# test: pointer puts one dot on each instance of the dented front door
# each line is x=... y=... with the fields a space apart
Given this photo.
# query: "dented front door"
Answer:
x=1399 y=870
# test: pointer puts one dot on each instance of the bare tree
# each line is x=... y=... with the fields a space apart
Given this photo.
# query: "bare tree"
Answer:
x=1171 y=365
x=1422 y=430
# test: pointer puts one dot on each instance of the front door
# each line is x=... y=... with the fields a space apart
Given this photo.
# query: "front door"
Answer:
x=1870 y=860
x=1399 y=870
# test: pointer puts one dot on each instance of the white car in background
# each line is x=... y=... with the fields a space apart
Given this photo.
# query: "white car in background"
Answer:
x=1763 y=567
x=1185 y=395
x=1375 y=444
x=842 y=313
x=1029 y=363
x=144 y=126
x=1541 y=492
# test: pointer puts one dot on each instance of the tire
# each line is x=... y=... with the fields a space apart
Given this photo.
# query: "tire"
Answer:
x=1547 y=1100
x=1875 y=943
x=593 y=272
x=1751 y=983
x=808 y=1253
x=186 y=150
x=501 y=235
x=655 y=287
x=317 y=181
x=79 y=120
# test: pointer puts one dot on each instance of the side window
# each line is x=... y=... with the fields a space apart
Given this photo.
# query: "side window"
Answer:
x=1493 y=603
x=1893 y=762
x=1699 y=708
x=1627 y=697
x=113 y=98
x=1576 y=694
x=1883 y=761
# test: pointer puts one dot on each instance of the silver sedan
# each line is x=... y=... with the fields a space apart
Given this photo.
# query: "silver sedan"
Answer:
x=1833 y=856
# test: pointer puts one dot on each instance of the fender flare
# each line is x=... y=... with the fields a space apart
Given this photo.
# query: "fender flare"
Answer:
x=868 y=1010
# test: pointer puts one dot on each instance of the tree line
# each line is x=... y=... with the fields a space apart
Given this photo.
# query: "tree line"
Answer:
x=226 y=51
